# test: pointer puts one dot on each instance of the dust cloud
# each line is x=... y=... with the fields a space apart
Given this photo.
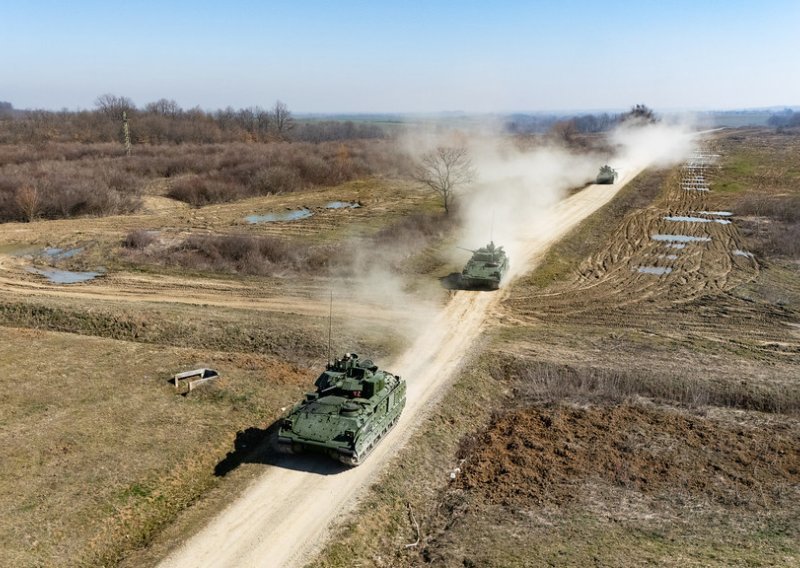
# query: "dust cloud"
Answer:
x=516 y=190
x=511 y=202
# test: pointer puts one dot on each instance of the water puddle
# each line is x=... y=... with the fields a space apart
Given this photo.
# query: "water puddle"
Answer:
x=676 y=245
x=61 y=254
x=668 y=256
x=64 y=276
x=738 y=252
x=657 y=270
x=679 y=239
x=342 y=205
x=685 y=219
x=295 y=215
x=716 y=213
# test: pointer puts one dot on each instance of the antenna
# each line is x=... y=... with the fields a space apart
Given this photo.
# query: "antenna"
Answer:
x=491 y=235
x=330 y=329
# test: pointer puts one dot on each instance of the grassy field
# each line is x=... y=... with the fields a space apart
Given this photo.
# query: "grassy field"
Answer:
x=103 y=455
x=100 y=451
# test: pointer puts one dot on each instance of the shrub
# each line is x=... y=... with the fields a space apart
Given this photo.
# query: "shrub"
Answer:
x=139 y=239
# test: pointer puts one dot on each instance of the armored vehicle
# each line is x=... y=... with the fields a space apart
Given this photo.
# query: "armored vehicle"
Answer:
x=607 y=175
x=354 y=406
x=486 y=268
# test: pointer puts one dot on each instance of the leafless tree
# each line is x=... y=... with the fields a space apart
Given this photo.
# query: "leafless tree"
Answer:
x=282 y=119
x=113 y=106
x=564 y=131
x=164 y=107
x=28 y=201
x=444 y=170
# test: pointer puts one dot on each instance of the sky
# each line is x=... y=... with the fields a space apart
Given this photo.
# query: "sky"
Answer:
x=352 y=56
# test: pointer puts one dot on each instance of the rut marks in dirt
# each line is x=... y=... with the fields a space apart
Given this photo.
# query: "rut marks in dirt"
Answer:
x=660 y=258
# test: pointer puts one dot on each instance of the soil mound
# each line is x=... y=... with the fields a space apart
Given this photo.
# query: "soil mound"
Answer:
x=545 y=454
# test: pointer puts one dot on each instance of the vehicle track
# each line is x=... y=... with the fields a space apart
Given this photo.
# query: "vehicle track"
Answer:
x=698 y=283
x=281 y=518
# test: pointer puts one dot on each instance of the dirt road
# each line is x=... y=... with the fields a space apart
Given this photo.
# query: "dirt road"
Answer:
x=282 y=518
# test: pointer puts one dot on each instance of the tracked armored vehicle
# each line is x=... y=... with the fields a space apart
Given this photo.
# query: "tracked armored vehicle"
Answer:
x=607 y=175
x=486 y=268
x=355 y=404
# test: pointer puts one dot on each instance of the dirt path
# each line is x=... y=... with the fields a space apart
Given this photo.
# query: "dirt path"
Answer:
x=282 y=518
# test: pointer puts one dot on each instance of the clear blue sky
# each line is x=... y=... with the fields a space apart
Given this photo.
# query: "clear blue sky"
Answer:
x=412 y=56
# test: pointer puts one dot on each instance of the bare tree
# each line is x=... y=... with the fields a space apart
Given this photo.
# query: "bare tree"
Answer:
x=28 y=201
x=113 y=106
x=282 y=119
x=444 y=170
x=164 y=107
x=564 y=131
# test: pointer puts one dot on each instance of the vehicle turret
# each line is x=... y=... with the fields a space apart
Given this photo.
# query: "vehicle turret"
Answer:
x=354 y=405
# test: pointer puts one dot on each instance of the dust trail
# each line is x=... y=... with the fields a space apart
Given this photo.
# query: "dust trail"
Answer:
x=513 y=200
x=282 y=519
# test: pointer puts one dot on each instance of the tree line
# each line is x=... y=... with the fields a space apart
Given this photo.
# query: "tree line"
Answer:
x=787 y=118
x=164 y=121
x=565 y=126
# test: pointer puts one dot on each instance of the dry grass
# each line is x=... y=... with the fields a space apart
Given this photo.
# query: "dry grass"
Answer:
x=151 y=452
x=266 y=255
x=759 y=180
x=537 y=381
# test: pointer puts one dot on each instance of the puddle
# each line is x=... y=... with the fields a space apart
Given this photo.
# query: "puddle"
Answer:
x=61 y=254
x=64 y=276
x=716 y=213
x=295 y=215
x=668 y=256
x=658 y=270
x=676 y=246
x=738 y=252
x=696 y=220
x=679 y=239
x=342 y=205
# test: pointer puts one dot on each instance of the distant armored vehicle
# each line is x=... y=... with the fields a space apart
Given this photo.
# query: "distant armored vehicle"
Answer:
x=354 y=406
x=607 y=175
x=486 y=268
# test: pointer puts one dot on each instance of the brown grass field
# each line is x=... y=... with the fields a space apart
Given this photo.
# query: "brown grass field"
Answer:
x=609 y=417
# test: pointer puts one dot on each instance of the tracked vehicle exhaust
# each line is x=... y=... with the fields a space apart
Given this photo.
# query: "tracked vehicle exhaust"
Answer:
x=354 y=406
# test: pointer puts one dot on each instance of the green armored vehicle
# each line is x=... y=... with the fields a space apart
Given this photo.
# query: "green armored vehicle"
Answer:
x=607 y=175
x=354 y=406
x=486 y=268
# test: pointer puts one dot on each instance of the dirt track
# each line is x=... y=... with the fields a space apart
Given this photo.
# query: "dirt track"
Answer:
x=282 y=518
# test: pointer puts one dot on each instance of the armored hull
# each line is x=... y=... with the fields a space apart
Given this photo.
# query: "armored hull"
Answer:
x=607 y=175
x=486 y=268
x=355 y=404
